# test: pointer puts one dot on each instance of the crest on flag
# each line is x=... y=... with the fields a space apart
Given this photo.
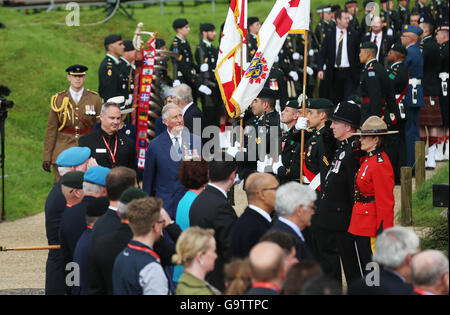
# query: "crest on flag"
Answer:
x=257 y=69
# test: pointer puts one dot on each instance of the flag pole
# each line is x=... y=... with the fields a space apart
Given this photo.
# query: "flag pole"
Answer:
x=302 y=138
x=241 y=129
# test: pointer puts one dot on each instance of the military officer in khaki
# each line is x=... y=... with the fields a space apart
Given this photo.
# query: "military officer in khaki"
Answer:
x=73 y=113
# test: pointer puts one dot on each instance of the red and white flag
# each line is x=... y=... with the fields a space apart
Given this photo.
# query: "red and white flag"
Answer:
x=286 y=16
x=232 y=53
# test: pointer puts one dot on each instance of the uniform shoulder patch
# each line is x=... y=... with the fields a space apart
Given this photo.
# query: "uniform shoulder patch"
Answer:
x=380 y=158
x=371 y=73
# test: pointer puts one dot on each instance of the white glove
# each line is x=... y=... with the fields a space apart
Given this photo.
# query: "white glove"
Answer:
x=276 y=165
x=204 y=89
x=390 y=32
x=233 y=151
x=296 y=56
x=309 y=71
x=293 y=75
x=260 y=166
x=176 y=83
x=311 y=52
x=276 y=59
x=237 y=180
x=302 y=123
x=204 y=67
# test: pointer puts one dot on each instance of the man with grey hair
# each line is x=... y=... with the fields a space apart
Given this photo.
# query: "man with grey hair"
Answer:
x=429 y=273
x=109 y=147
x=164 y=156
x=294 y=204
x=390 y=275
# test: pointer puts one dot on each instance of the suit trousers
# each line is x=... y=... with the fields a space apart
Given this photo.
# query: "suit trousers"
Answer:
x=364 y=251
x=342 y=86
x=412 y=134
x=55 y=274
x=348 y=252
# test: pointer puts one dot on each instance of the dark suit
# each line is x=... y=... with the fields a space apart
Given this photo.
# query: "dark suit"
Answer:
x=247 y=231
x=344 y=80
x=193 y=112
x=54 y=269
x=302 y=250
x=390 y=284
x=386 y=43
x=161 y=170
x=105 y=225
x=82 y=256
x=211 y=210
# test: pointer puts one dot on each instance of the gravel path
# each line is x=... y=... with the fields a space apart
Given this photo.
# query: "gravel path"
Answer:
x=23 y=272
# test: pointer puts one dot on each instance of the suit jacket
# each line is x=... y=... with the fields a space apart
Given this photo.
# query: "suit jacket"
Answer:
x=212 y=210
x=386 y=43
x=303 y=251
x=160 y=177
x=54 y=207
x=390 y=284
x=106 y=224
x=126 y=149
x=247 y=231
x=327 y=53
x=194 y=112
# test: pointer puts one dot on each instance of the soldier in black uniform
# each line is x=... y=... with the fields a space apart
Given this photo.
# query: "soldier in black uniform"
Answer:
x=324 y=24
x=128 y=69
x=389 y=18
x=425 y=9
x=111 y=80
x=206 y=58
x=398 y=75
x=333 y=214
x=253 y=26
x=403 y=15
x=376 y=93
x=277 y=82
x=351 y=6
x=185 y=69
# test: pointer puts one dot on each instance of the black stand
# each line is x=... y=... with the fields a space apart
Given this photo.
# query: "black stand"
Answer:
x=111 y=5
x=3 y=115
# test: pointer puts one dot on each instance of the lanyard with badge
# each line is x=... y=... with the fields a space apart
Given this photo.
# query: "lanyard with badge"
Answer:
x=113 y=155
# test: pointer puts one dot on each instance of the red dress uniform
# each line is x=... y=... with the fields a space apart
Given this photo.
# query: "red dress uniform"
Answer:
x=374 y=196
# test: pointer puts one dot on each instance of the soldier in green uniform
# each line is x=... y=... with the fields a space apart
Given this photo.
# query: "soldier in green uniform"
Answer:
x=253 y=26
x=324 y=24
x=185 y=69
x=206 y=58
x=376 y=93
x=398 y=74
x=111 y=80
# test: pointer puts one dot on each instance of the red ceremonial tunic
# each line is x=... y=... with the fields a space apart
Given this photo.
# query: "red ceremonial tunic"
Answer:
x=374 y=195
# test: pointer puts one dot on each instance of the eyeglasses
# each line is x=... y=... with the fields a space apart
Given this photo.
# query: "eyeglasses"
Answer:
x=270 y=188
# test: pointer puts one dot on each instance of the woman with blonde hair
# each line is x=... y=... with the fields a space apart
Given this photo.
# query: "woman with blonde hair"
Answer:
x=196 y=251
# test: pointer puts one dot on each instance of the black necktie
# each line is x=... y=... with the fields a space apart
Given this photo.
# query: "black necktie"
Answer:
x=375 y=39
x=339 y=52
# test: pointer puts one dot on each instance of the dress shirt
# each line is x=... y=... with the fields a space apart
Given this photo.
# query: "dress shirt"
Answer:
x=261 y=212
x=220 y=189
x=76 y=96
x=378 y=42
x=293 y=226
x=345 y=63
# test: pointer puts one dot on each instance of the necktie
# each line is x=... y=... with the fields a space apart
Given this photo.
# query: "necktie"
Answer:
x=177 y=145
x=339 y=52
x=375 y=39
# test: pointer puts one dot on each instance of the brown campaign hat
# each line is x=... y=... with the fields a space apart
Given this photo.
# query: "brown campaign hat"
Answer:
x=374 y=126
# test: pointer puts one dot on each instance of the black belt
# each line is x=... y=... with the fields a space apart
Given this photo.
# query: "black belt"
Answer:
x=359 y=197
x=341 y=68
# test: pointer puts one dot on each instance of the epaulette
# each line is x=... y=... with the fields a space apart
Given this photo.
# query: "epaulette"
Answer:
x=380 y=158
x=93 y=92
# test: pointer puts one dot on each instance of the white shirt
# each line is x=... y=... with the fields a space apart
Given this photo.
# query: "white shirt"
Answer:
x=128 y=63
x=378 y=42
x=219 y=189
x=186 y=107
x=293 y=226
x=172 y=137
x=344 y=59
x=261 y=212
x=76 y=96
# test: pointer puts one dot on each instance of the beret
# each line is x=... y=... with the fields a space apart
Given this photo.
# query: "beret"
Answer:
x=293 y=104
x=319 y=103
x=252 y=20
x=97 y=207
x=206 y=27
x=73 y=156
x=267 y=93
x=400 y=48
x=159 y=43
x=73 y=179
x=128 y=45
x=76 y=70
x=408 y=28
x=179 y=23
x=96 y=175
x=112 y=38
x=131 y=194
x=369 y=45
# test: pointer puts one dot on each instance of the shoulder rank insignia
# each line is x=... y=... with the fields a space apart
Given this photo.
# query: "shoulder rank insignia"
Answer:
x=380 y=158
x=325 y=160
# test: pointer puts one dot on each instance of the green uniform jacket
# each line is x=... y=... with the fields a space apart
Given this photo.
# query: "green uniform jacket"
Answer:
x=191 y=285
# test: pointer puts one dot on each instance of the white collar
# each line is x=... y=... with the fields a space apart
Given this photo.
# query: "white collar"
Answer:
x=341 y=29
x=396 y=63
x=128 y=63
x=370 y=61
x=207 y=43
x=293 y=226
x=186 y=107
x=219 y=189
x=173 y=136
x=113 y=208
x=113 y=58
x=80 y=92
x=261 y=212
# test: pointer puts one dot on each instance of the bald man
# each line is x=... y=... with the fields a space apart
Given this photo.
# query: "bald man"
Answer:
x=257 y=217
x=429 y=273
x=267 y=269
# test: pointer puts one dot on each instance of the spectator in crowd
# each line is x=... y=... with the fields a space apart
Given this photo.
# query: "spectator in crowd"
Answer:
x=196 y=251
x=72 y=187
x=82 y=254
x=321 y=285
x=211 y=210
x=237 y=276
x=299 y=274
x=257 y=217
x=137 y=269
x=118 y=180
x=267 y=269
x=429 y=273
x=295 y=206
x=394 y=249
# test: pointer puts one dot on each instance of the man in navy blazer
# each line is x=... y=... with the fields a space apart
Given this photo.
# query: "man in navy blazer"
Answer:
x=257 y=217
x=164 y=156
x=294 y=204
x=338 y=60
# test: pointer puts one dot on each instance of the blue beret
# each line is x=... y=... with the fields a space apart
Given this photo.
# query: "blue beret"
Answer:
x=73 y=156
x=96 y=175
x=408 y=28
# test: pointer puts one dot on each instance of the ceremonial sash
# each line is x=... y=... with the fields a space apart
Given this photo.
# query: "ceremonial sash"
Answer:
x=143 y=99
x=314 y=180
